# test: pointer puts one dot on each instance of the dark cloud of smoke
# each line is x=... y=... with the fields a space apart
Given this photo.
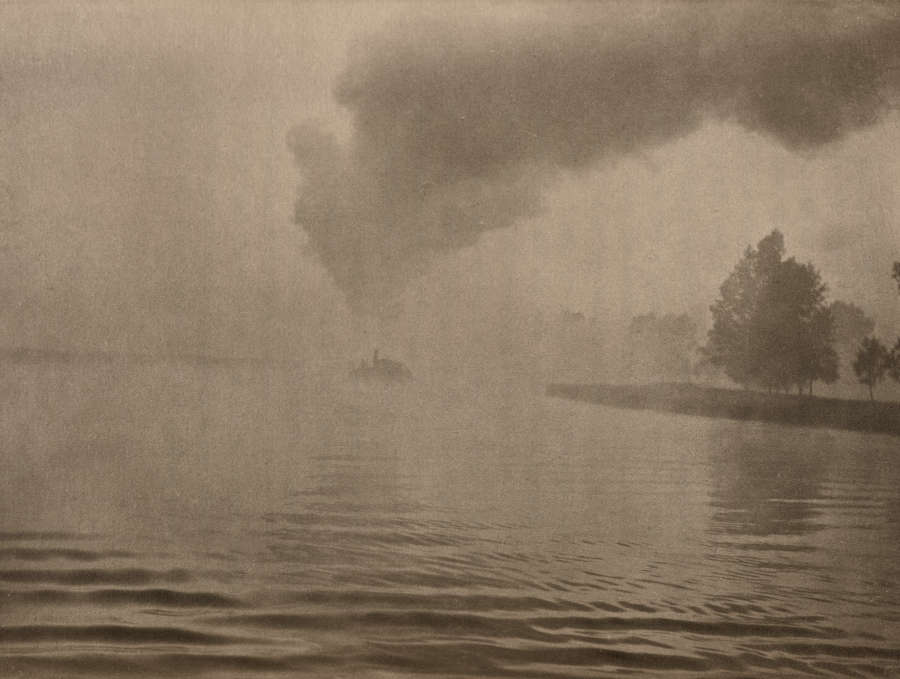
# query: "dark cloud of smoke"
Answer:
x=459 y=125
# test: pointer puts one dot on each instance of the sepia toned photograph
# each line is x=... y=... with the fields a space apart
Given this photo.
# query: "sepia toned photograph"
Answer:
x=393 y=340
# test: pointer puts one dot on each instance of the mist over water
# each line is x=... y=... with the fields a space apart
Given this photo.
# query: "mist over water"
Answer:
x=494 y=194
x=251 y=520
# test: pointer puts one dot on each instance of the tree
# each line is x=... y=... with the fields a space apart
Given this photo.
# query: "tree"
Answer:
x=819 y=359
x=894 y=360
x=794 y=328
x=771 y=326
x=851 y=327
x=871 y=364
x=731 y=343
x=893 y=368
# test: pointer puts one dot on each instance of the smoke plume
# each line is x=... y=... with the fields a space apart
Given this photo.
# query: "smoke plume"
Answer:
x=459 y=125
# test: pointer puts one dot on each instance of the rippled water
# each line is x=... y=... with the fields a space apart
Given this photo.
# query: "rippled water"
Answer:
x=247 y=522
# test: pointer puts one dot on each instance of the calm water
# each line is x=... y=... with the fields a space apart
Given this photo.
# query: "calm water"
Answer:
x=250 y=522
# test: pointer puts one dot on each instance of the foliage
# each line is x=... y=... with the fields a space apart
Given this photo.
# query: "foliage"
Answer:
x=851 y=325
x=894 y=361
x=730 y=344
x=872 y=362
x=771 y=326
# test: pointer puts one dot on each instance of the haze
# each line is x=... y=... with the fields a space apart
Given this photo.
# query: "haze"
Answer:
x=308 y=181
x=214 y=214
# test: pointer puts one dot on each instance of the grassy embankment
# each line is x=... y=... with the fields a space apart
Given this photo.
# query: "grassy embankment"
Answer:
x=690 y=399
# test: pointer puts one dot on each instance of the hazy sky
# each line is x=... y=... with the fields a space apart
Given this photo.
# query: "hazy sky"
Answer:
x=300 y=179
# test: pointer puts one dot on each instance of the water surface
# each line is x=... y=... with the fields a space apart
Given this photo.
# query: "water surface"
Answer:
x=248 y=521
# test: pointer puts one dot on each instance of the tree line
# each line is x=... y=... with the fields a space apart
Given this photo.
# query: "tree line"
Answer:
x=874 y=360
x=774 y=329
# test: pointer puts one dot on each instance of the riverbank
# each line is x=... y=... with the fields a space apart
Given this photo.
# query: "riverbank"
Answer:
x=690 y=399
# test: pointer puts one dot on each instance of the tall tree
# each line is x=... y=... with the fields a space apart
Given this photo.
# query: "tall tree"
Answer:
x=897 y=274
x=871 y=364
x=851 y=327
x=894 y=361
x=771 y=326
x=819 y=359
x=793 y=328
x=731 y=342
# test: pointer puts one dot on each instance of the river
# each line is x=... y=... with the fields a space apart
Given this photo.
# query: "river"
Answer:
x=244 y=521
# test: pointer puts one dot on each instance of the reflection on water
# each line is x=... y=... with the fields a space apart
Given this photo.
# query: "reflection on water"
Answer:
x=242 y=523
x=767 y=481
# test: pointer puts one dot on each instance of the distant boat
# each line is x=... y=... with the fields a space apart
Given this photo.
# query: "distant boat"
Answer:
x=383 y=370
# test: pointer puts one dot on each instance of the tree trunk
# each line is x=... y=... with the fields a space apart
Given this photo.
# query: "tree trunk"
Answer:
x=871 y=393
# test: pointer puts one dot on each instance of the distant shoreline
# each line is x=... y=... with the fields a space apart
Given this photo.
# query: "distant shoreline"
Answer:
x=29 y=356
x=689 y=399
